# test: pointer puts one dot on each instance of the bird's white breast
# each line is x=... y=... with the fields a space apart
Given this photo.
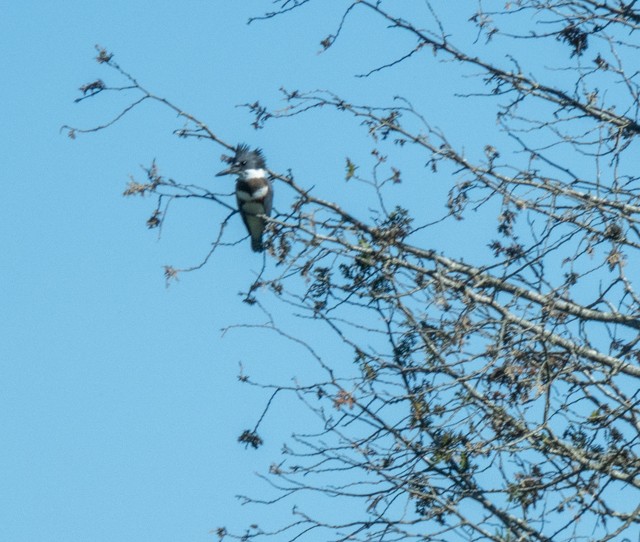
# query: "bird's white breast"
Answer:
x=257 y=194
x=260 y=192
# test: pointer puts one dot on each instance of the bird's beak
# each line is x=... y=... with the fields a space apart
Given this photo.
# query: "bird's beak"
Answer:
x=227 y=171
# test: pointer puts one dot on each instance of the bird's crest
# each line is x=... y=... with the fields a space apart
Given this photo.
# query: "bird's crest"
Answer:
x=244 y=153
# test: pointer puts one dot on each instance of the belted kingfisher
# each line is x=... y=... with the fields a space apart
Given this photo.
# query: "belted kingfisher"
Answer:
x=254 y=192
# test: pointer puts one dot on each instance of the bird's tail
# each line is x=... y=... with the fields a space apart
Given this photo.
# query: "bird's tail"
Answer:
x=255 y=223
x=256 y=244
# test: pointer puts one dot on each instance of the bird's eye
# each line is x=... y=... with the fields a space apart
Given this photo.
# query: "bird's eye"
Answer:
x=243 y=163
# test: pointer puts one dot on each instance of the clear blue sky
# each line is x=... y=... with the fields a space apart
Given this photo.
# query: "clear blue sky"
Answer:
x=119 y=399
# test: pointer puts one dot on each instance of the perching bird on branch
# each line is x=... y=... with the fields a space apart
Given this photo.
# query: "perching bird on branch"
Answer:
x=254 y=192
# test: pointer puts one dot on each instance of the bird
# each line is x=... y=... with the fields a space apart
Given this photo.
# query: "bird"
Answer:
x=254 y=193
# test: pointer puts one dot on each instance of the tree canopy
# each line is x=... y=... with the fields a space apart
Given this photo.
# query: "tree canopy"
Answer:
x=483 y=392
